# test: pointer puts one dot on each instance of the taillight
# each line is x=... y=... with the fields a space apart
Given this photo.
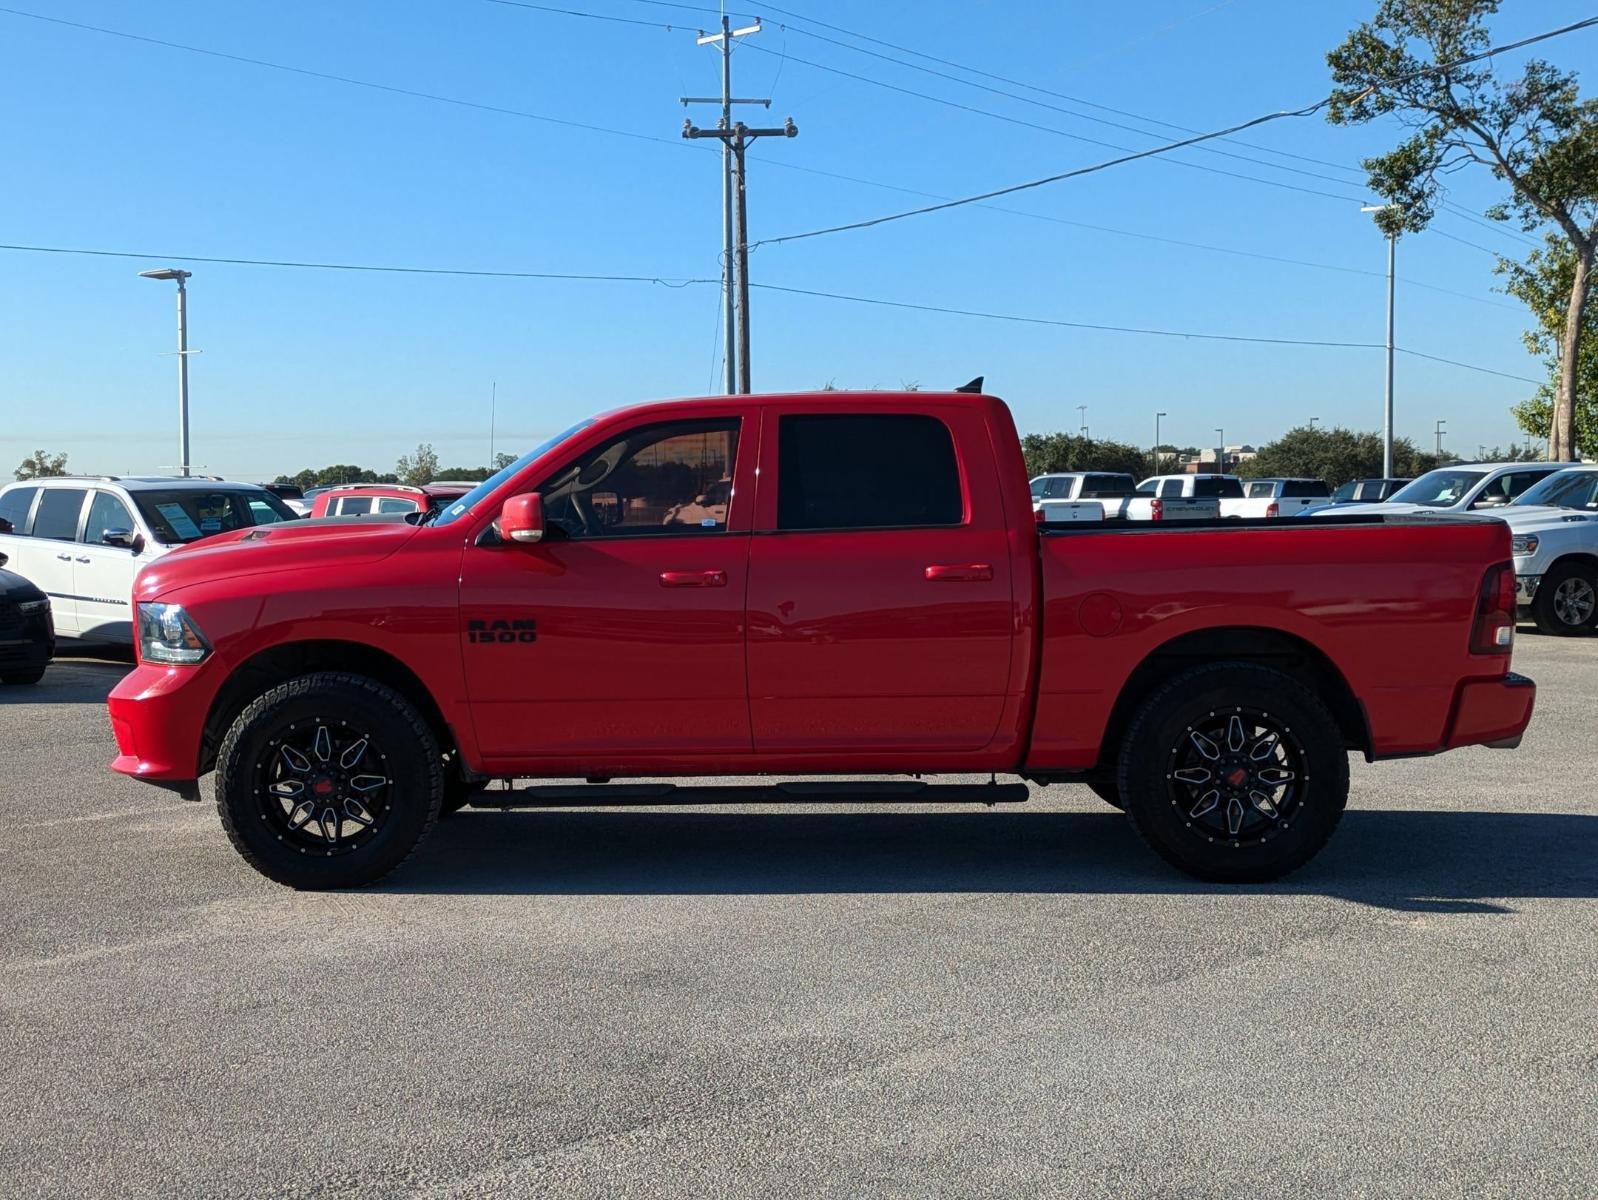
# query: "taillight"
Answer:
x=1493 y=631
x=1156 y=510
x=1037 y=516
x=1273 y=509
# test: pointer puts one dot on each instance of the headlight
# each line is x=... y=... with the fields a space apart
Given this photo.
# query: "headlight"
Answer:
x=167 y=635
x=29 y=607
x=1523 y=543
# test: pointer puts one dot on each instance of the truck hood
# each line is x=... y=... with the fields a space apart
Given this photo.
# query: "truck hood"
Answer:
x=1524 y=518
x=263 y=548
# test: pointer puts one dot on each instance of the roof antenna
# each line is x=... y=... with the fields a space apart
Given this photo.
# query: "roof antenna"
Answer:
x=974 y=386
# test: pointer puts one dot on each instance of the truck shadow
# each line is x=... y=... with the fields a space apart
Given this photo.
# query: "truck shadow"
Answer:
x=86 y=677
x=1440 y=862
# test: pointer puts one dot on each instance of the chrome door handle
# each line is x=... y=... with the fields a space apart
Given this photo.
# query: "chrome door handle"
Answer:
x=82 y=558
x=64 y=557
x=960 y=572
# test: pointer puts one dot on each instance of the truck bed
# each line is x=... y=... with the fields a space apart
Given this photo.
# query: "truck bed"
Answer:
x=1384 y=603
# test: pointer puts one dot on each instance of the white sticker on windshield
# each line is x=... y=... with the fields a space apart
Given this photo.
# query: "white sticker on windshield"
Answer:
x=182 y=524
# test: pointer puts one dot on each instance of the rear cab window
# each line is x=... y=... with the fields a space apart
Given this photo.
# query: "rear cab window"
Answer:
x=866 y=471
x=1216 y=487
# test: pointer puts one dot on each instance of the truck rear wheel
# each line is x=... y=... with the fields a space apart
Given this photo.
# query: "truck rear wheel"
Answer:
x=1567 y=600
x=328 y=781
x=1234 y=773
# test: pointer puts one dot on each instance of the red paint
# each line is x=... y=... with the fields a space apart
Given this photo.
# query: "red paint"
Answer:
x=977 y=646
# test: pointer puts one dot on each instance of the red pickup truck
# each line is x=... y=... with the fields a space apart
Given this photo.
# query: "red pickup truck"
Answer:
x=800 y=586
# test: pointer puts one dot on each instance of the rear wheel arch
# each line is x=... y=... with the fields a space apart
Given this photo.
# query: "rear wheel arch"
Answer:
x=1261 y=645
x=269 y=668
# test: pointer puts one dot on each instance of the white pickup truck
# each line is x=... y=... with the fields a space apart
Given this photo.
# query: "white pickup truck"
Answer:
x=1072 y=496
x=1220 y=495
x=1281 y=497
x=1554 y=537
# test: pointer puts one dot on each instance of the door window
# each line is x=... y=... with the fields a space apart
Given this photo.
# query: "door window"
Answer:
x=14 y=506
x=673 y=478
x=106 y=512
x=1522 y=480
x=867 y=471
x=59 y=509
x=353 y=506
x=393 y=504
x=1171 y=488
x=1058 y=489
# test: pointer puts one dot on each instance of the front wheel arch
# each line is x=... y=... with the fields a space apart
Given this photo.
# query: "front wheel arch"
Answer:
x=265 y=670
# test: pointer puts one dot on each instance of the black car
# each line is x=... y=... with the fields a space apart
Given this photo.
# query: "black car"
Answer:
x=27 y=635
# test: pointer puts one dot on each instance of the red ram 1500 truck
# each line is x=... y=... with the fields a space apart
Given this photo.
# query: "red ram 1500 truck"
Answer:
x=800 y=586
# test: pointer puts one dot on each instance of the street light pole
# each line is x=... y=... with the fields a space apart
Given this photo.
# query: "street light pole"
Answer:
x=1157 y=417
x=1220 y=451
x=180 y=277
x=1437 y=449
x=1082 y=423
x=1391 y=229
x=1312 y=421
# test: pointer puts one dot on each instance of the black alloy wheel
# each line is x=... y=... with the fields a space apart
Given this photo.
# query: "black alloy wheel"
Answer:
x=1234 y=772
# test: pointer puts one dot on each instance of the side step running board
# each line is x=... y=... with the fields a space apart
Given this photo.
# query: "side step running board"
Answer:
x=606 y=795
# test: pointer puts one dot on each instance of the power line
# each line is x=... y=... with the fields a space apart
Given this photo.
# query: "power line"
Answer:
x=1265 y=118
x=345 y=79
x=679 y=282
x=663 y=280
x=1023 y=320
x=1076 y=137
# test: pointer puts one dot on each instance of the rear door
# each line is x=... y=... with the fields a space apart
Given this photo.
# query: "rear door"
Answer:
x=880 y=592
x=52 y=546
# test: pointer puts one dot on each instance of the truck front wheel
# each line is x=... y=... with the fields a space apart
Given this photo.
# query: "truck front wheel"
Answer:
x=1234 y=773
x=328 y=781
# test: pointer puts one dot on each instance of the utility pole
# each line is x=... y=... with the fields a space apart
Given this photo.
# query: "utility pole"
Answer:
x=493 y=403
x=1438 y=432
x=1389 y=226
x=734 y=228
x=1157 y=417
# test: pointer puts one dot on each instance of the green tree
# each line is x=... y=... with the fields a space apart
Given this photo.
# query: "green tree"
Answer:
x=502 y=460
x=1048 y=452
x=465 y=474
x=418 y=468
x=1335 y=455
x=335 y=474
x=1533 y=133
x=40 y=464
x=1542 y=283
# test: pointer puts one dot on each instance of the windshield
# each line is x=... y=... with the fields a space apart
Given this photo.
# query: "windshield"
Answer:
x=469 y=501
x=185 y=515
x=1565 y=489
x=1442 y=488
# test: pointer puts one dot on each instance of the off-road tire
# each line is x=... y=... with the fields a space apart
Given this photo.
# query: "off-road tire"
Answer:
x=1544 y=611
x=414 y=770
x=1162 y=728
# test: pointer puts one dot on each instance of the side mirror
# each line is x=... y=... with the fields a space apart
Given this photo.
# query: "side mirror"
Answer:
x=125 y=538
x=521 y=519
x=1491 y=502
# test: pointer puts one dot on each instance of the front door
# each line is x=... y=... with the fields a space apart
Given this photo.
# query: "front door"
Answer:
x=620 y=636
x=881 y=616
x=104 y=572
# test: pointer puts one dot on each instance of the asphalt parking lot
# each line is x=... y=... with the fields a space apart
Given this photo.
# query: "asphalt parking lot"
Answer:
x=851 y=1002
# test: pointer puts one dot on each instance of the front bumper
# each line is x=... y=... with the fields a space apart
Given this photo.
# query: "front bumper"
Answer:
x=1526 y=588
x=1492 y=712
x=157 y=716
x=27 y=645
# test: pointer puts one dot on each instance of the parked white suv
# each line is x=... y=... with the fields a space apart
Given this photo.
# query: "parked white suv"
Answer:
x=82 y=538
x=1466 y=487
x=1554 y=538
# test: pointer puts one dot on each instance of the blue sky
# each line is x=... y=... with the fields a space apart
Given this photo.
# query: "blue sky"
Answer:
x=120 y=145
